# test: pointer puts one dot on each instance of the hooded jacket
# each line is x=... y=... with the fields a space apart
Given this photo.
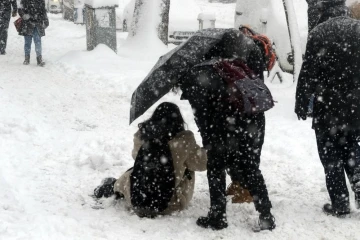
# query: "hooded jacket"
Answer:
x=186 y=154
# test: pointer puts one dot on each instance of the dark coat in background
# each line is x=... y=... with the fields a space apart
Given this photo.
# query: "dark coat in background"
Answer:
x=33 y=12
x=5 y=15
x=331 y=71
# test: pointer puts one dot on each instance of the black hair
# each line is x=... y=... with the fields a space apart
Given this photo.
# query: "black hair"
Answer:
x=165 y=123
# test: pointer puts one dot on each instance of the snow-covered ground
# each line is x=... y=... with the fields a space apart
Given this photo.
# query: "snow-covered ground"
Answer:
x=65 y=127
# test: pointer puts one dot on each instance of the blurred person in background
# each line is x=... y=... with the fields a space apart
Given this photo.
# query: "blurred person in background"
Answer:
x=7 y=8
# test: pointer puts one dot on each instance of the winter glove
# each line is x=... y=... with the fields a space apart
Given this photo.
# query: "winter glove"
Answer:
x=301 y=113
x=14 y=13
x=46 y=23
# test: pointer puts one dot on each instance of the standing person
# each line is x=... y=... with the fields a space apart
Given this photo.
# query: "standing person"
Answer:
x=5 y=15
x=330 y=72
x=234 y=141
x=166 y=125
x=35 y=21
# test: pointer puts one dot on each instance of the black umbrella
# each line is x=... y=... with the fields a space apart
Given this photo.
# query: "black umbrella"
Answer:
x=203 y=45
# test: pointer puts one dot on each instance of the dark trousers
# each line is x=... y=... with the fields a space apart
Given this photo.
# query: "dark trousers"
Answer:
x=4 y=26
x=239 y=154
x=339 y=153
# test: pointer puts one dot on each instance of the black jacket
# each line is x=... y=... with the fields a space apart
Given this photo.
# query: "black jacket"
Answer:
x=5 y=9
x=5 y=5
x=33 y=13
x=205 y=90
x=331 y=71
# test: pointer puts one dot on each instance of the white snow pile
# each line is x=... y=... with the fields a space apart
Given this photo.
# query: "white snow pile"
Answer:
x=102 y=3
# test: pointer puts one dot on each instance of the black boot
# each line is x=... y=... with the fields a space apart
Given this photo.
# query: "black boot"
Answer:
x=215 y=221
x=106 y=189
x=336 y=212
x=266 y=222
x=27 y=60
x=40 y=61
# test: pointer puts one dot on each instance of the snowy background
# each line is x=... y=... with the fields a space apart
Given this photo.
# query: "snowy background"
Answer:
x=64 y=127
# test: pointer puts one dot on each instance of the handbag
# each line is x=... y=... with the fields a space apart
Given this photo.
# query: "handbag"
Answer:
x=18 y=24
x=247 y=92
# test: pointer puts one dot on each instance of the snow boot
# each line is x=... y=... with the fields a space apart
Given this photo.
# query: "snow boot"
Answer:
x=106 y=189
x=214 y=221
x=40 y=61
x=27 y=60
x=336 y=212
x=2 y=53
x=266 y=222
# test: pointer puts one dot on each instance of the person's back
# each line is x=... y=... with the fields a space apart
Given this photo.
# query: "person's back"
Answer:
x=331 y=72
x=166 y=126
x=336 y=71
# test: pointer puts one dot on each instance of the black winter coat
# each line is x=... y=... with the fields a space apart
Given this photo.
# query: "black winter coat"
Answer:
x=33 y=13
x=331 y=71
x=205 y=90
x=5 y=9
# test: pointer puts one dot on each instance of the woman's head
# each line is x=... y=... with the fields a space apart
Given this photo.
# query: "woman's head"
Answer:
x=165 y=122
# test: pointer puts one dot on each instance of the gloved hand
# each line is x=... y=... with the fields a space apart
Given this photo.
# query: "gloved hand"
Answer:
x=302 y=116
x=301 y=112
x=14 y=13
x=46 y=24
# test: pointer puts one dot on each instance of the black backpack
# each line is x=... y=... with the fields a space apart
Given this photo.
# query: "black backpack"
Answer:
x=152 y=182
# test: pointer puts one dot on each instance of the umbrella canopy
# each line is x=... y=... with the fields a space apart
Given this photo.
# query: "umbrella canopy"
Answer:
x=171 y=67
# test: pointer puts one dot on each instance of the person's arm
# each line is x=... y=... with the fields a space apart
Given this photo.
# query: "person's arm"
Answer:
x=197 y=159
x=137 y=145
x=14 y=7
x=46 y=19
x=308 y=75
x=21 y=10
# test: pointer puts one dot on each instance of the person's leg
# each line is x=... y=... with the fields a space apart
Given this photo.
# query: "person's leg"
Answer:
x=352 y=165
x=27 y=49
x=216 y=218
x=37 y=41
x=331 y=153
x=4 y=27
x=246 y=166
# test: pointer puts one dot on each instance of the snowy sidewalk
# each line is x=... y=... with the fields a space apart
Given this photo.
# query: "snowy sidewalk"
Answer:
x=65 y=127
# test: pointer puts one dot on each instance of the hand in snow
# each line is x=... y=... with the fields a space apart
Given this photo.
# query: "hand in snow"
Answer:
x=14 y=13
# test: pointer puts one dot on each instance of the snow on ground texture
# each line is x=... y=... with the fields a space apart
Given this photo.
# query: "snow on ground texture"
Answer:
x=65 y=127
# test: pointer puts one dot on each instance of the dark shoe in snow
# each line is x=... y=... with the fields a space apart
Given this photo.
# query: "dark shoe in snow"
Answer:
x=336 y=212
x=3 y=53
x=106 y=189
x=215 y=223
x=40 y=61
x=27 y=60
x=266 y=222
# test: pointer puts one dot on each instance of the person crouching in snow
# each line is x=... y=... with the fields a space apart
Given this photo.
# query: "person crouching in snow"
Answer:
x=35 y=21
x=166 y=156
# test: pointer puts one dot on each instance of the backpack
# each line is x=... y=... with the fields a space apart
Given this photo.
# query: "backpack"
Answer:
x=247 y=93
x=152 y=182
x=265 y=45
